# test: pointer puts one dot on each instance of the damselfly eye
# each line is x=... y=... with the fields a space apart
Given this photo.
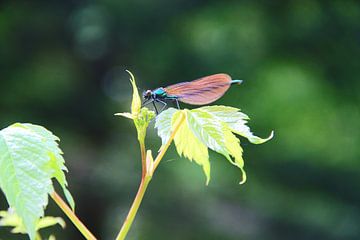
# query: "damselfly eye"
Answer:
x=147 y=94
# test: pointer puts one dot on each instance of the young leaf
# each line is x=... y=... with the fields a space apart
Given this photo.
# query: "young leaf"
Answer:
x=125 y=114
x=209 y=130
x=208 y=127
x=217 y=136
x=11 y=219
x=49 y=221
x=140 y=116
x=163 y=124
x=233 y=146
x=236 y=120
x=136 y=101
x=29 y=158
x=188 y=145
x=57 y=162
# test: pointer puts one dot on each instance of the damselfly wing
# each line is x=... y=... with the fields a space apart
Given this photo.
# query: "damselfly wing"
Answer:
x=201 y=91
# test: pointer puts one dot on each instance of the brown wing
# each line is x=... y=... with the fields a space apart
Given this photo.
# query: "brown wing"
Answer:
x=201 y=91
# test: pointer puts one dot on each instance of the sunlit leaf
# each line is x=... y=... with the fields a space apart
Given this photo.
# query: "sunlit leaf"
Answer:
x=237 y=121
x=11 y=219
x=29 y=159
x=163 y=124
x=217 y=136
x=125 y=114
x=48 y=221
x=189 y=146
x=209 y=130
x=232 y=144
x=140 y=116
x=57 y=162
x=136 y=100
x=208 y=127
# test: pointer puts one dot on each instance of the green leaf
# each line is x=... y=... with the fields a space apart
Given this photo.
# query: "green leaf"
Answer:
x=125 y=114
x=136 y=101
x=69 y=197
x=233 y=146
x=236 y=121
x=57 y=162
x=208 y=127
x=140 y=116
x=29 y=158
x=163 y=124
x=49 y=221
x=217 y=136
x=189 y=146
x=11 y=219
x=209 y=130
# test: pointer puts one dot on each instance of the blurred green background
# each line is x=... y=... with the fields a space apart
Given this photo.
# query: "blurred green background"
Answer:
x=62 y=66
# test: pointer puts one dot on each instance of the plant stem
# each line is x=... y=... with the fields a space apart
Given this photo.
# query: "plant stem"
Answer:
x=167 y=145
x=143 y=157
x=145 y=181
x=71 y=215
x=134 y=208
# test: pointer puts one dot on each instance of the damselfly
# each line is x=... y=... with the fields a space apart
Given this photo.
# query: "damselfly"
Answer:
x=198 y=92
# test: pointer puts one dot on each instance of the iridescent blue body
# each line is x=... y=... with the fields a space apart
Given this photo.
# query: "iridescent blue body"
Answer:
x=160 y=93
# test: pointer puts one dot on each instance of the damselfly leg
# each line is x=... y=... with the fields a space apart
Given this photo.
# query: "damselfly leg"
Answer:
x=147 y=102
x=177 y=103
x=156 y=100
x=153 y=102
x=162 y=102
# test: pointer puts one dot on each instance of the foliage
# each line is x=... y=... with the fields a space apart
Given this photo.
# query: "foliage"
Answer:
x=29 y=159
x=208 y=127
x=11 y=219
x=141 y=116
x=62 y=65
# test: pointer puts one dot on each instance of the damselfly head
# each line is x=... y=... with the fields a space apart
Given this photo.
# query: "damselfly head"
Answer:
x=147 y=94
